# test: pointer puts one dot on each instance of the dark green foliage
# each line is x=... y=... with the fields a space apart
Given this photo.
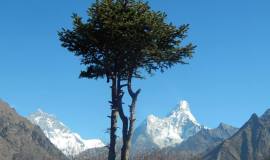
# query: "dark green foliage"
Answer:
x=125 y=38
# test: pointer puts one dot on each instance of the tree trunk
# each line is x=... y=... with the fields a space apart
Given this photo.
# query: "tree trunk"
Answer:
x=128 y=124
x=113 y=117
x=124 y=120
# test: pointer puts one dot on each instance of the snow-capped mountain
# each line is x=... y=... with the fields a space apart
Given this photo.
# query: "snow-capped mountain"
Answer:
x=61 y=136
x=156 y=132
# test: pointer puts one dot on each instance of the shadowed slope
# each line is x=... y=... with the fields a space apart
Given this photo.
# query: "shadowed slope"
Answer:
x=251 y=142
x=21 y=140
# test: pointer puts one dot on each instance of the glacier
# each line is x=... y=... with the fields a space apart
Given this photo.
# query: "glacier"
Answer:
x=176 y=127
x=61 y=136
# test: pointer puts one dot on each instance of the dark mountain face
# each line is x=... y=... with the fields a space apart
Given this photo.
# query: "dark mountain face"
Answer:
x=21 y=140
x=93 y=154
x=207 y=138
x=266 y=116
x=251 y=142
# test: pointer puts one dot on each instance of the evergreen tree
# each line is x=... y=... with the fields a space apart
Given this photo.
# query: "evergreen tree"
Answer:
x=122 y=40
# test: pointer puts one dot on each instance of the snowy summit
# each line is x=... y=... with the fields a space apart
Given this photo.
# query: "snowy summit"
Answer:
x=176 y=127
x=61 y=136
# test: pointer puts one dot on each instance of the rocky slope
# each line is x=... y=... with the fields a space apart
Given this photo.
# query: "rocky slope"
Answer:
x=207 y=138
x=251 y=142
x=21 y=140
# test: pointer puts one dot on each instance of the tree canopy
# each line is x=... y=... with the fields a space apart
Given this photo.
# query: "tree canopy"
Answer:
x=125 y=38
x=121 y=40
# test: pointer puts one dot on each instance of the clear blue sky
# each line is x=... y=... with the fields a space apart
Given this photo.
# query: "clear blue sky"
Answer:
x=227 y=80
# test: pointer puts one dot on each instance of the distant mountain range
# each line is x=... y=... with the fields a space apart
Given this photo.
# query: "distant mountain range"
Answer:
x=178 y=136
x=21 y=140
x=165 y=139
x=61 y=136
x=178 y=131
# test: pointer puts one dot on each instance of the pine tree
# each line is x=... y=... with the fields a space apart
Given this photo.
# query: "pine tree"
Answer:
x=122 y=40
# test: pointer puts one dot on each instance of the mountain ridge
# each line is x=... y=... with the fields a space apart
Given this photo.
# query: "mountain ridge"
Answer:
x=21 y=140
x=70 y=143
x=177 y=126
x=207 y=138
x=250 y=142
